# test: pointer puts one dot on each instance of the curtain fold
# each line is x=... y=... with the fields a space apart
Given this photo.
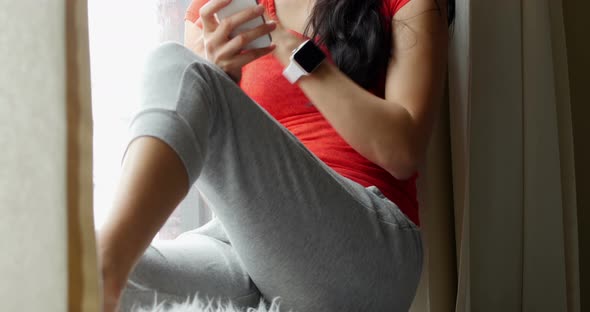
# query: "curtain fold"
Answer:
x=513 y=177
x=513 y=171
x=566 y=149
x=544 y=267
x=438 y=284
x=459 y=78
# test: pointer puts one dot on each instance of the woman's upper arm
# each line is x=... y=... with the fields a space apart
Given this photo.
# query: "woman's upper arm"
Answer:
x=416 y=73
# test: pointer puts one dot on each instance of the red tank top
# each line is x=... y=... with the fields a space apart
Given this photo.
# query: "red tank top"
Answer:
x=263 y=81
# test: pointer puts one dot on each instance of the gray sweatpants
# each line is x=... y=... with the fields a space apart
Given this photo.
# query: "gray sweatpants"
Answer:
x=287 y=225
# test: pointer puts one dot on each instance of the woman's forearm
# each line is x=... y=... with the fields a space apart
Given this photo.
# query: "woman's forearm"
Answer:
x=153 y=181
x=382 y=132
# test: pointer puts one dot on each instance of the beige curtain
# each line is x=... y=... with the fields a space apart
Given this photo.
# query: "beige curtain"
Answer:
x=46 y=230
x=513 y=180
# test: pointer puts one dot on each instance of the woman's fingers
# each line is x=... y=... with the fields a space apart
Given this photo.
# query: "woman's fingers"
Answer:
x=228 y=52
x=193 y=37
x=207 y=13
x=251 y=55
x=244 y=58
x=236 y=44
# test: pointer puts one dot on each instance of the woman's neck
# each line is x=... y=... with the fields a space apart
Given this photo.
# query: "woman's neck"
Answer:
x=293 y=14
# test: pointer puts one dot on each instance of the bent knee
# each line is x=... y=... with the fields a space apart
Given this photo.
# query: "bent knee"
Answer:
x=170 y=52
x=175 y=53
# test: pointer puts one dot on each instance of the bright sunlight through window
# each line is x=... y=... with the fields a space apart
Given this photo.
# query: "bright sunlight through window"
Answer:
x=122 y=33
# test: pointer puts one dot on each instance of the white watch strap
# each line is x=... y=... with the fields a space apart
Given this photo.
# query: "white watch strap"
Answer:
x=293 y=72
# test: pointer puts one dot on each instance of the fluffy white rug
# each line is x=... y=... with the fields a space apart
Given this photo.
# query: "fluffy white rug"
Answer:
x=198 y=305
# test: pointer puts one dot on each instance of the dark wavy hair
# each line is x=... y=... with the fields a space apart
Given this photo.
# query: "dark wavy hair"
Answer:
x=354 y=32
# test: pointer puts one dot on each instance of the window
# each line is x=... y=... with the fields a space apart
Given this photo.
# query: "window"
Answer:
x=121 y=35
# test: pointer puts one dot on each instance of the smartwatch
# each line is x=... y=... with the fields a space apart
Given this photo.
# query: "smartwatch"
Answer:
x=304 y=60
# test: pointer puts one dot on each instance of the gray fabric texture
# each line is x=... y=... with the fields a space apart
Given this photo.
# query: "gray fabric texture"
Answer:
x=287 y=225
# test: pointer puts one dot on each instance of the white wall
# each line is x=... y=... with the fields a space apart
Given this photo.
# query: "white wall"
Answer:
x=33 y=158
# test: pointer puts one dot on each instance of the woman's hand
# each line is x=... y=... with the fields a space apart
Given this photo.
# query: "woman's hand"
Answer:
x=227 y=53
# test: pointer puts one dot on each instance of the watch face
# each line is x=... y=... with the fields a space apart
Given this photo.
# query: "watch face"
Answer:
x=309 y=56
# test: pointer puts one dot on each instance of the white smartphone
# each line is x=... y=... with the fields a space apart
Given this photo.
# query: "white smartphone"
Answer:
x=236 y=6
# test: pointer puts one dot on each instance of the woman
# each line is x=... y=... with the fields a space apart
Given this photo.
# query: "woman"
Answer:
x=312 y=183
